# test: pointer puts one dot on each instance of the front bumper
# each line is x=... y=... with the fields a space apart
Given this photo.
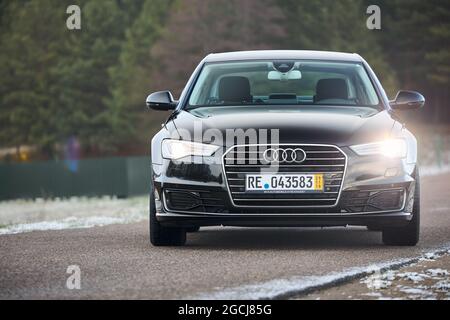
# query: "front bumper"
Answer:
x=284 y=220
x=207 y=181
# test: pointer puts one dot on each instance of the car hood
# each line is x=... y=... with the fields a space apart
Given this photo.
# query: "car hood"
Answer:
x=341 y=126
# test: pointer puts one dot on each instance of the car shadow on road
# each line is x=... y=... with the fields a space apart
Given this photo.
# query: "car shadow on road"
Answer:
x=284 y=238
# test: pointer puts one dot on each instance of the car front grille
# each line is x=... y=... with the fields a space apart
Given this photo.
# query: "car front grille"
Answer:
x=329 y=160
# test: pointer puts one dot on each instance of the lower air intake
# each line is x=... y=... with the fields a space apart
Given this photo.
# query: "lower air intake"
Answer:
x=373 y=200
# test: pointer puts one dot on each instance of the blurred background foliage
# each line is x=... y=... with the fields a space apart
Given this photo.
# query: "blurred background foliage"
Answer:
x=91 y=83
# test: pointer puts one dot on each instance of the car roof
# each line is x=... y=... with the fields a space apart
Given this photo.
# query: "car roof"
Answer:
x=283 y=55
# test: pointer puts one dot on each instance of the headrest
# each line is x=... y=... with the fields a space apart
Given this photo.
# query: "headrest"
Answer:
x=235 y=89
x=331 y=89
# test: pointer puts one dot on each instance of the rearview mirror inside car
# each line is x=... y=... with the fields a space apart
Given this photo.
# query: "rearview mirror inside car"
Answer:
x=279 y=76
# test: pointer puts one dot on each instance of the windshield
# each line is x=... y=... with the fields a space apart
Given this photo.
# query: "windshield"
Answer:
x=283 y=83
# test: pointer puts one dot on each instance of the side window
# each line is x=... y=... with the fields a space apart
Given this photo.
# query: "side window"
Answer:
x=200 y=92
x=367 y=90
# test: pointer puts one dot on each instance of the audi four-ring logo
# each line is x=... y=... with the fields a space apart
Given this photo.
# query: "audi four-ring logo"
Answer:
x=284 y=155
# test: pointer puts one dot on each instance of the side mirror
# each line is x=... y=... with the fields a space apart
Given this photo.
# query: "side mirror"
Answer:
x=407 y=100
x=162 y=100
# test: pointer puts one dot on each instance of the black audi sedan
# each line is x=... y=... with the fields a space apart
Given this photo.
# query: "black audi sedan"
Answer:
x=284 y=139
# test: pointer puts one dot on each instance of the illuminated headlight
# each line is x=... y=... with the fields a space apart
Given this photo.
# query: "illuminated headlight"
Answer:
x=395 y=148
x=177 y=149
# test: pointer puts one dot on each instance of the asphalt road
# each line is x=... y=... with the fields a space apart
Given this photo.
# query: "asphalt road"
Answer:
x=117 y=261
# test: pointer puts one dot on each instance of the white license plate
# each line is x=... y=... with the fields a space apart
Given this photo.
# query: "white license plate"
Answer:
x=284 y=183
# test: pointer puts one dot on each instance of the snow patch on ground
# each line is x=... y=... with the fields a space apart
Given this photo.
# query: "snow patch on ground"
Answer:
x=426 y=171
x=443 y=285
x=68 y=223
x=25 y=216
x=373 y=294
x=282 y=288
x=412 y=276
x=279 y=288
x=417 y=292
x=437 y=272
x=423 y=284
x=430 y=256
x=379 y=280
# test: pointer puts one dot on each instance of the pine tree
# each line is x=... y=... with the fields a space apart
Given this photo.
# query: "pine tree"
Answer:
x=131 y=79
x=31 y=45
x=197 y=28
x=83 y=76
x=416 y=39
x=55 y=83
x=336 y=26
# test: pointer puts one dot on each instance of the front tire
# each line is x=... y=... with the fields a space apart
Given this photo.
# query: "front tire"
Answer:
x=409 y=234
x=163 y=236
